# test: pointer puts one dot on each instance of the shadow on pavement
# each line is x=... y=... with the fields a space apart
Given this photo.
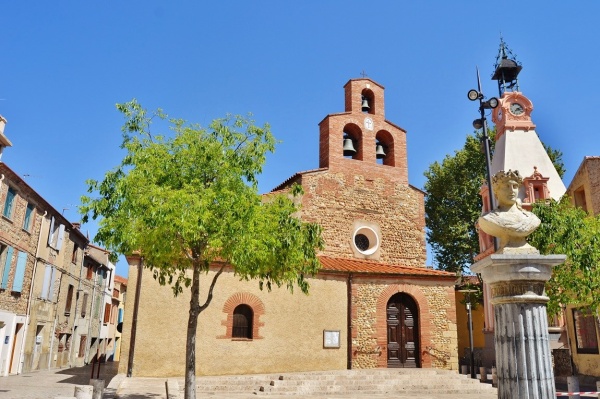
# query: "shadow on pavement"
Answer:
x=82 y=375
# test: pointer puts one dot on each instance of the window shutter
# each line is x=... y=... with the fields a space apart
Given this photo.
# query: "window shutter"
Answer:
x=106 y=313
x=61 y=236
x=46 y=285
x=69 y=303
x=51 y=290
x=20 y=272
x=84 y=305
x=10 y=198
x=6 y=271
x=27 y=219
x=51 y=231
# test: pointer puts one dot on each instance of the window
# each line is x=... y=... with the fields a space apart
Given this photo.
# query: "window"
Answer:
x=120 y=318
x=84 y=305
x=48 y=285
x=242 y=322
x=9 y=203
x=74 y=254
x=90 y=272
x=585 y=331
x=107 y=307
x=19 y=272
x=69 y=300
x=579 y=197
x=101 y=275
x=242 y=311
x=28 y=217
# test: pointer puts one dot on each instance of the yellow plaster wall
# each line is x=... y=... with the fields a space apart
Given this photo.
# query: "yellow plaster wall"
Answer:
x=292 y=334
x=586 y=364
x=462 y=325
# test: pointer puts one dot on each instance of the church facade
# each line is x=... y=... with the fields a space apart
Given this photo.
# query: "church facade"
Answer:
x=373 y=304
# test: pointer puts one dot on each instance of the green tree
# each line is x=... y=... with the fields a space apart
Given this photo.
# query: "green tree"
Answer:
x=453 y=203
x=568 y=230
x=189 y=200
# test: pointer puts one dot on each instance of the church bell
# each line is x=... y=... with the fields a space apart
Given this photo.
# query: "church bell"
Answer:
x=365 y=105
x=348 y=147
x=379 y=152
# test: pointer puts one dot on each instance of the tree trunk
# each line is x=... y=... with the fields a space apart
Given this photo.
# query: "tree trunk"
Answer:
x=190 y=347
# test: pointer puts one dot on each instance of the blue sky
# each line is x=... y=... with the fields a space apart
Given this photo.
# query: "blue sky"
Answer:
x=64 y=65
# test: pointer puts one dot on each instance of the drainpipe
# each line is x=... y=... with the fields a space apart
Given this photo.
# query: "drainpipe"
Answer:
x=349 y=316
x=136 y=305
x=28 y=312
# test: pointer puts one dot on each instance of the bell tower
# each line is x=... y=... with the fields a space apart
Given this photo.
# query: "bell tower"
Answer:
x=518 y=146
x=361 y=137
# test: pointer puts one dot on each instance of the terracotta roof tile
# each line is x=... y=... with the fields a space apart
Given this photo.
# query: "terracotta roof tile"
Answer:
x=296 y=175
x=366 y=266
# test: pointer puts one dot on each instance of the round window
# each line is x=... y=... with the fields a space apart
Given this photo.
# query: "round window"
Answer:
x=366 y=240
x=361 y=241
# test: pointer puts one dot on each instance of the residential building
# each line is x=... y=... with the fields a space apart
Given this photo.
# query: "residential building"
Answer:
x=101 y=272
x=583 y=326
x=118 y=300
x=55 y=288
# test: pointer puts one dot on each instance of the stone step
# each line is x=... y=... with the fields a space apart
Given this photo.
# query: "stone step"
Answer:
x=372 y=382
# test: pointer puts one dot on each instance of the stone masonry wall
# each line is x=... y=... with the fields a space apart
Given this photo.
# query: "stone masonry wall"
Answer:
x=437 y=321
x=337 y=200
x=13 y=234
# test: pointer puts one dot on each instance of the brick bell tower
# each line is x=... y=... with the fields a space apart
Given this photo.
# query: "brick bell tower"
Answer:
x=360 y=194
x=361 y=137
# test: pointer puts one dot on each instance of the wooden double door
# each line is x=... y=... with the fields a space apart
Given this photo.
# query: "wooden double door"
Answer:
x=402 y=332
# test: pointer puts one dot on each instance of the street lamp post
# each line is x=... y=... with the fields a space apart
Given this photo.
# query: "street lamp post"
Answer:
x=467 y=292
x=482 y=123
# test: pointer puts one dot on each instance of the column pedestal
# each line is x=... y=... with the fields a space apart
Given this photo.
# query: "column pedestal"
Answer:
x=523 y=357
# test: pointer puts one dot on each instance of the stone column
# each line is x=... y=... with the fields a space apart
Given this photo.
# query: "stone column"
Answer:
x=523 y=358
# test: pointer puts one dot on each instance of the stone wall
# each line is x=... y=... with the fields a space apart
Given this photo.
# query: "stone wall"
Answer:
x=13 y=234
x=437 y=321
x=338 y=200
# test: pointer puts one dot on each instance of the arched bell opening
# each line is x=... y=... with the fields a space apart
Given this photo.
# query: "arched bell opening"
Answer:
x=384 y=148
x=367 y=102
x=402 y=332
x=352 y=142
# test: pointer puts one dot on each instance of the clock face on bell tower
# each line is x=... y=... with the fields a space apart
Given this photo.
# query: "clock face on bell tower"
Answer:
x=513 y=113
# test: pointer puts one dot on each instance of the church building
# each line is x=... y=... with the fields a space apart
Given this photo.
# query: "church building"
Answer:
x=373 y=304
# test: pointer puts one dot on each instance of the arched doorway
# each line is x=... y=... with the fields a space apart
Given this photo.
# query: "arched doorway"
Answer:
x=402 y=332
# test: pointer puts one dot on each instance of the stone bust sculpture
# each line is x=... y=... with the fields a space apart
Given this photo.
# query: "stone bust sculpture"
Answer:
x=509 y=221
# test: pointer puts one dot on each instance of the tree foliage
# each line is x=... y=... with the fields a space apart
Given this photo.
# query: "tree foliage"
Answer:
x=189 y=200
x=568 y=230
x=453 y=203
